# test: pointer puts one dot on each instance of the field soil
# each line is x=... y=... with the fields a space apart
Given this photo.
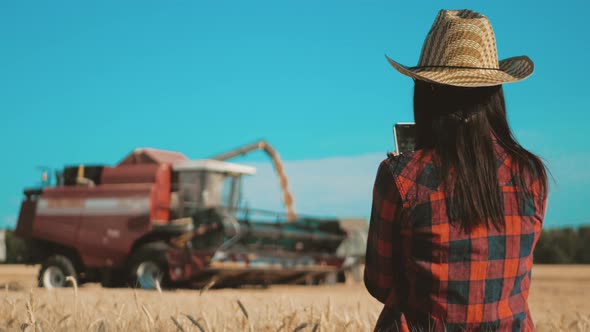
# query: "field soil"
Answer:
x=558 y=301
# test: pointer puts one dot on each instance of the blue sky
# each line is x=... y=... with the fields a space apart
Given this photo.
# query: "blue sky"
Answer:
x=89 y=81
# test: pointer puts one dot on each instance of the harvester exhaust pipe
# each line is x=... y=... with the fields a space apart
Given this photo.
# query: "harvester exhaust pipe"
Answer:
x=278 y=165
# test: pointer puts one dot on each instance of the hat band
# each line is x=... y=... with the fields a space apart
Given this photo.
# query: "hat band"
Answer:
x=456 y=67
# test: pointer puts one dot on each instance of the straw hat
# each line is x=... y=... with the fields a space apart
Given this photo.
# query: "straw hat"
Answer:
x=460 y=50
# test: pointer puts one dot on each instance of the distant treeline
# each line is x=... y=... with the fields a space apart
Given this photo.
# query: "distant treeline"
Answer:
x=16 y=249
x=556 y=246
x=564 y=246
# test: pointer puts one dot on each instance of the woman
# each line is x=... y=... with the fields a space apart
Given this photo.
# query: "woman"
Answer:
x=454 y=224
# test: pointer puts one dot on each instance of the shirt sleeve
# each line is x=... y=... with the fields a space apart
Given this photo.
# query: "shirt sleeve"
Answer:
x=383 y=260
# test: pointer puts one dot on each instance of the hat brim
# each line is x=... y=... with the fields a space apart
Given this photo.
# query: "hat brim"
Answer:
x=511 y=70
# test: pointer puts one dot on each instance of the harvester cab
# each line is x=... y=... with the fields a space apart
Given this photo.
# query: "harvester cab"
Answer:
x=202 y=184
x=206 y=194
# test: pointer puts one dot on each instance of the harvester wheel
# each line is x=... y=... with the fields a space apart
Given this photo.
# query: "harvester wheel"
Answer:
x=54 y=271
x=148 y=267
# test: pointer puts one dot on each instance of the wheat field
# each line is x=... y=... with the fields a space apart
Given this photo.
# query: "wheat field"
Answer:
x=558 y=301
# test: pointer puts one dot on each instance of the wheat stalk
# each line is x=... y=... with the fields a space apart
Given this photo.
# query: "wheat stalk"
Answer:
x=158 y=287
x=29 y=306
x=63 y=319
x=177 y=324
x=195 y=322
x=207 y=323
x=136 y=299
x=75 y=284
x=101 y=327
x=300 y=327
x=241 y=305
x=209 y=284
x=315 y=327
x=147 y=314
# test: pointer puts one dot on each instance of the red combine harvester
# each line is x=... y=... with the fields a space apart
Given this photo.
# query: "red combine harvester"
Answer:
x=160 y=218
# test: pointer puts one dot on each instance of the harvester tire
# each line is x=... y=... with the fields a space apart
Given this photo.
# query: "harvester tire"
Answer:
x=147 y=265
x=54 y=271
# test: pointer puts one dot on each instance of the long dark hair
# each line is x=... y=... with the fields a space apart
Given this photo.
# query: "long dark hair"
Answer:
x=461 y=125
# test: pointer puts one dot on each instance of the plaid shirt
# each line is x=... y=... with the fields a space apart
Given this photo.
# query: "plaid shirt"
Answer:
x=433 y=276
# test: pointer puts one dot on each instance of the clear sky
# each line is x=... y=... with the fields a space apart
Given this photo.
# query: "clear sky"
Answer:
x=86 y=82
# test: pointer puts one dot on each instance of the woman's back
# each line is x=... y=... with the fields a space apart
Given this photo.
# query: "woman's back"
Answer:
x=447 y=277
x=454 y=225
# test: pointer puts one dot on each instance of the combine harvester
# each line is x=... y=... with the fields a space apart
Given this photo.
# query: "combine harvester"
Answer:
x=160 y=218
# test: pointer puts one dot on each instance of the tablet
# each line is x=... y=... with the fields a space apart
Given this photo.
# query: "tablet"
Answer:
x=404 y=136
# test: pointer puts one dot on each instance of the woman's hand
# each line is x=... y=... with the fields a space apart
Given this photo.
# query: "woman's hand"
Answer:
x=392 y=154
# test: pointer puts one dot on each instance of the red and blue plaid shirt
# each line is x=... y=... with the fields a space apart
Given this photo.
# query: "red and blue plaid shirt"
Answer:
x=430 y=274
